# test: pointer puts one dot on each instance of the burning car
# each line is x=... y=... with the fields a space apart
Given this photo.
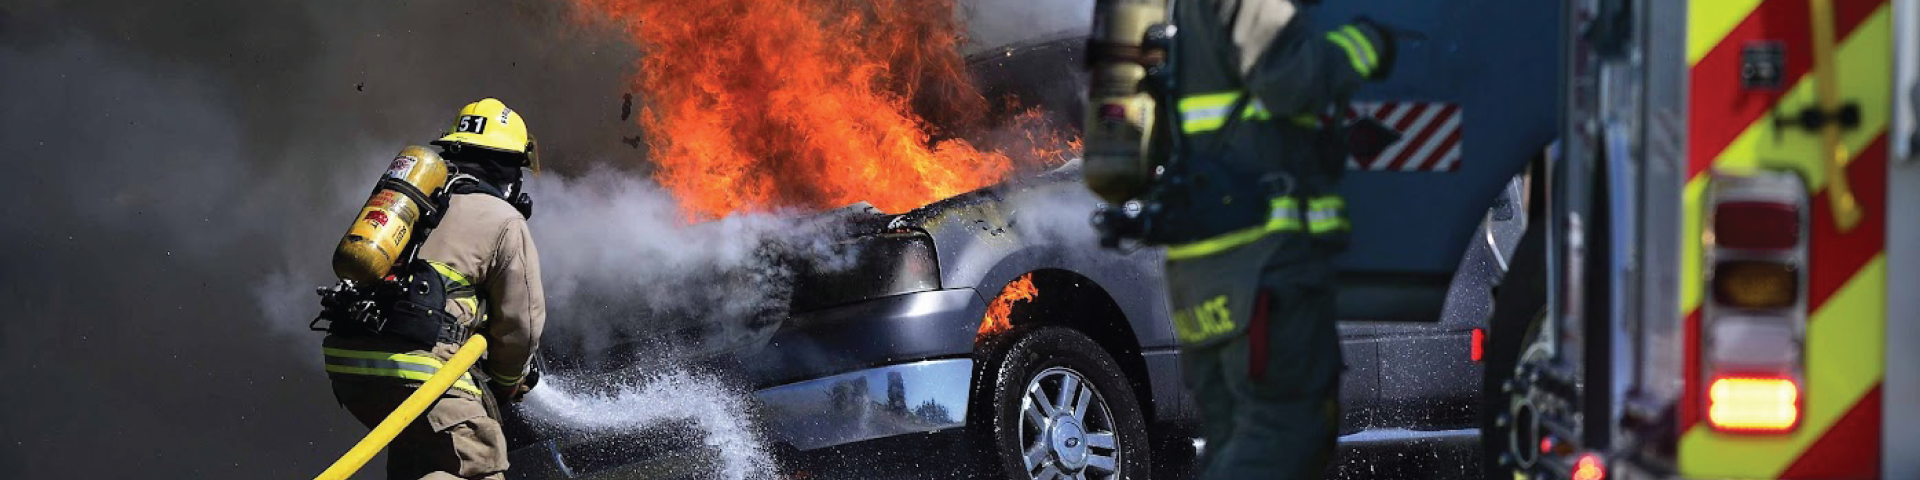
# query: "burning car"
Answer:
x=991 y=324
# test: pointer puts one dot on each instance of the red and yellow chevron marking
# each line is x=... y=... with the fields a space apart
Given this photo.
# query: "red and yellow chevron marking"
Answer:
x=1732 y=128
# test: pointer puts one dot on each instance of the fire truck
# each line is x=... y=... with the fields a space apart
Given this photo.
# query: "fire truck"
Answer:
x=1720 y=273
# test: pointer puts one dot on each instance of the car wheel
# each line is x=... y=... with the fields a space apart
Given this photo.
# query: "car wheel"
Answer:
x=1519 y=304
x=1058 y=407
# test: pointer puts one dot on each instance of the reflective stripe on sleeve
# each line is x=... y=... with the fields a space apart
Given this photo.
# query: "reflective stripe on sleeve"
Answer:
x=1366 y=46
x=1359 y=51
x=504 y=379
x=1208 y=112
x=1283 y=214
x=461 y=290
x=1284 y=217
x=1324 y=214
x=472 y=304
x=396 y=365
x=458 y=279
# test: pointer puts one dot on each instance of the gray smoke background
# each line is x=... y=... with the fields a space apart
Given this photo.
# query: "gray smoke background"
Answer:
x=992 y=23
x=179 y=171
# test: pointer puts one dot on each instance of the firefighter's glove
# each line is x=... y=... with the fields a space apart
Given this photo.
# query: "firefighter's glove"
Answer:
x=1368 y=46
x=533 y=373
x=519 y=389
x=510 y=393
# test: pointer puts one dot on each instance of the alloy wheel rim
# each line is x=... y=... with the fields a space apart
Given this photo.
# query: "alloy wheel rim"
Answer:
x=1067 y=431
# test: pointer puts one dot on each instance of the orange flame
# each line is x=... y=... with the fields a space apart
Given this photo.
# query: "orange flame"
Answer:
x=762 y=104
x=1000 y=312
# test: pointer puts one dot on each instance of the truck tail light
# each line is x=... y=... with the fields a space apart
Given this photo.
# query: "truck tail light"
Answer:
x=1589 y=467
x=1753 y=322
x=1756 y=284
x=1759 y=405
x=1756 y=225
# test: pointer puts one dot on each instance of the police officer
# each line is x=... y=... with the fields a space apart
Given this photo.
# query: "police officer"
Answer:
x=1252 y=282
x=485 y=258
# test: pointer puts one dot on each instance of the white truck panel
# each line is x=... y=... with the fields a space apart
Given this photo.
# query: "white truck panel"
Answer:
x=1900 y=443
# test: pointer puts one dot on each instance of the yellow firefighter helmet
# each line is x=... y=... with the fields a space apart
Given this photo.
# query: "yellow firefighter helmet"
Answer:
x=489 y=124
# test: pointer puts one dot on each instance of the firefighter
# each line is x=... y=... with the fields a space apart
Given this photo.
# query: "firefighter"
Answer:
x=1253 y=295
x=485 y=259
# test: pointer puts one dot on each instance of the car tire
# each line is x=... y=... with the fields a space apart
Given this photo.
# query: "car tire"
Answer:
x=1519 y=304
x=1025 y=436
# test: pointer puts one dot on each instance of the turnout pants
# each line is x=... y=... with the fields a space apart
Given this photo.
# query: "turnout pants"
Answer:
x=1262 y=358
x=454 y=439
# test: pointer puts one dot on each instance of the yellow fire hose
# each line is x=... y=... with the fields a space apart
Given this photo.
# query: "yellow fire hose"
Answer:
x=409 y=410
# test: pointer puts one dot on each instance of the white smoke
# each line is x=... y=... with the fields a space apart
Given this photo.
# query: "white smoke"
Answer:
x=1059 y=214
x=622 y=264
x=620 y=261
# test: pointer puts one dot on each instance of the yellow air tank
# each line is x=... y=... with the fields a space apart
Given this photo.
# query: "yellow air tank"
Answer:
x=1119 y=111
x=386 y=224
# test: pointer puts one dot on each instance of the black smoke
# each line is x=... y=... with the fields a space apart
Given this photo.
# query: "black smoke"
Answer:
x=169 y=164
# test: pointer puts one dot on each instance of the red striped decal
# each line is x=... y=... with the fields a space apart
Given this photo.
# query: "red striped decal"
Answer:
x=1850 y=449
x=1430 y=136
x=1714 y=87
x=1834 y=257
x=1450 y=152
x=1414 y=154
x=1413 y=114
x=1842 y=399
x=1386 y=110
